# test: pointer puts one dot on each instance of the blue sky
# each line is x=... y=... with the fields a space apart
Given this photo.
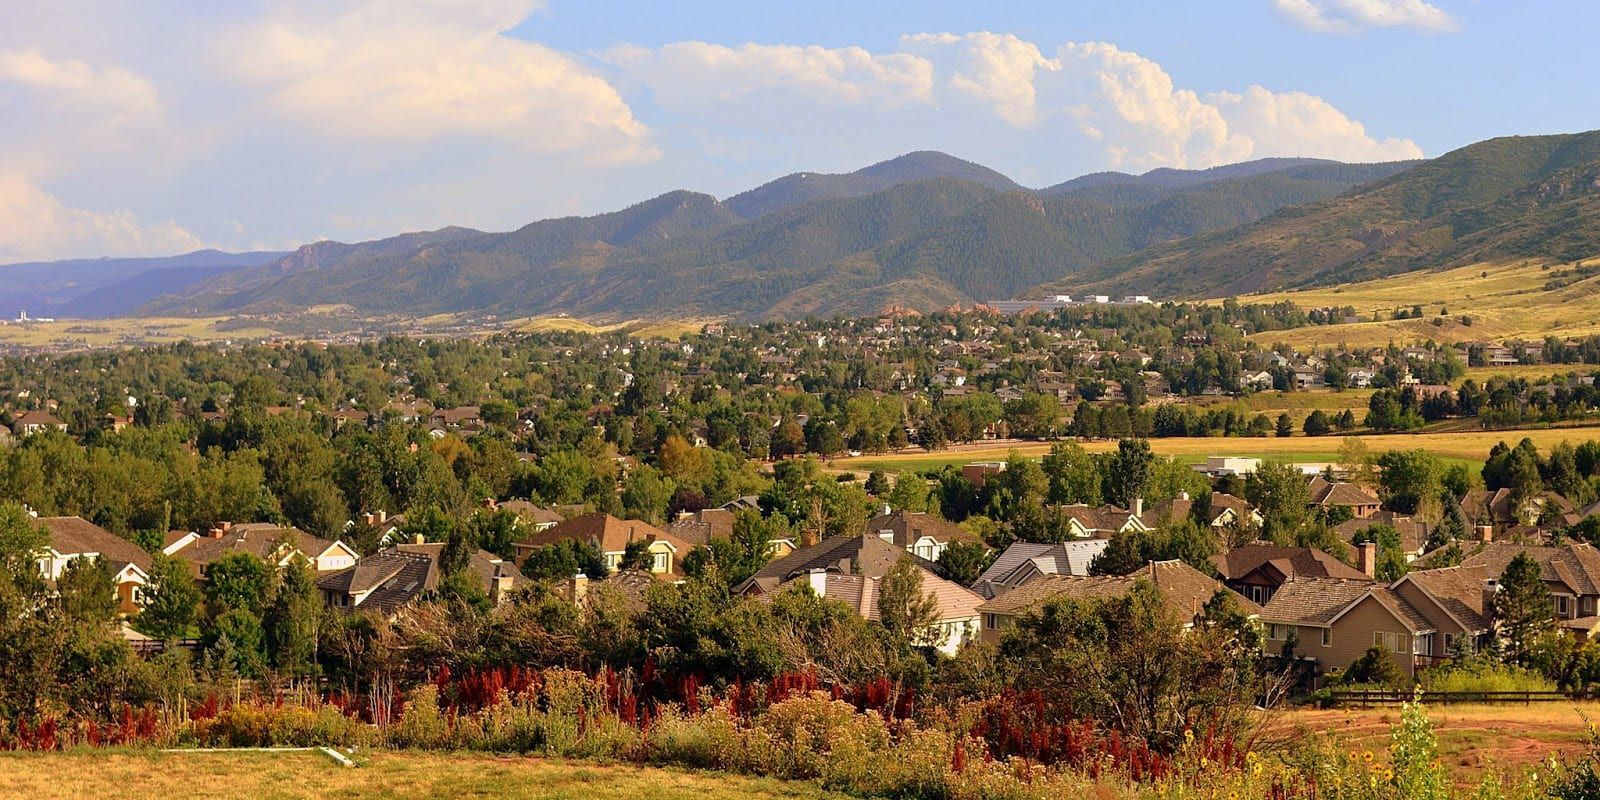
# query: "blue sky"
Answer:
x=163 y=126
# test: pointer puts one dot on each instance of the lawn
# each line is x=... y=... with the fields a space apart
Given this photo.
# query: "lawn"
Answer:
x=399 y=775
x=1471 y=737
x=1469 y=447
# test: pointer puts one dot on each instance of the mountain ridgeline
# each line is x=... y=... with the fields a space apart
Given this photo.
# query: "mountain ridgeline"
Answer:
x=922 y=231
x=1533 y=197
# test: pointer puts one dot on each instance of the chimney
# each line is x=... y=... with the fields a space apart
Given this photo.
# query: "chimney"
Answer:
x=1486 y=533
x=1138 y=507
x=1367 y=559
x=817 y=579
x=580 y=589
x=417 y=538
x=502 y=586
x=885 y=510
x=489 y=503
x=1183 y=495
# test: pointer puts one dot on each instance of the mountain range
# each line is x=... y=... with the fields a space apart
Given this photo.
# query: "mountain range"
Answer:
x=925 y=231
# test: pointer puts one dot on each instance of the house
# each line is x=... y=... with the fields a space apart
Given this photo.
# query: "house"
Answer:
x=846 y=555
x=267 y=541
x=1499 y=510
x=529 y=515
x=1023 y=562
x=922 y=534
x=1102 y=522
x=1185 y=589
x=380 y=583
x=1260 y=380
x=32 y=422
x=956 y=607
x=978 y=472
x=1419 y=618
x=1327 y=494
x=612 y=537
x=1225 y=511
x=70 y=538
x=1309 y=379
x=1571 y=572
x=1228 y=466
x=1413 y=532
x=454 y=418
x=1258 y=570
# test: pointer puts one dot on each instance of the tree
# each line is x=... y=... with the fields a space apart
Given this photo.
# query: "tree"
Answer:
x=237 y=581
x=1285 y=426
x=910 y=493
x=85 y=592
x=237 y=639
x=645 y=494
x=171 y=600
x=564 y=559
x=1318 y=424
x=1522 y=607
x=1407 y=479
x=1129 y=471
x=1375 y=667
x=291 y=622
x=907 y=613
x=963 y=562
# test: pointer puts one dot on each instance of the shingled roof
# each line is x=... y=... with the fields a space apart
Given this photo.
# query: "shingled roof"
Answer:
x=858 y=555
x=1458 y=590
x=1185 y=589
x=609 y=533
x=1305 y=562
x=1320 y=601
x=388 y=579
x=1577 y=566
x=259 y=539
x=72 y=536
x=1062 y=558
x=909 y=526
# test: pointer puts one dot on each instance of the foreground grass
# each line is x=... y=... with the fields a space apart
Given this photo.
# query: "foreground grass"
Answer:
x=275 y=776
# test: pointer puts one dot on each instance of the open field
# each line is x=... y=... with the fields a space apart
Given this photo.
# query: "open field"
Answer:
x=399 y=775
x=131 y=330
x=643 y=329
x=1471 y=737
x=1470 y=446
x=1503 y=300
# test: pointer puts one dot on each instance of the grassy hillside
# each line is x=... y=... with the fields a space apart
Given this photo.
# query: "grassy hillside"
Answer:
x=801 y=188
x=1522 y=299
x=1511 y=198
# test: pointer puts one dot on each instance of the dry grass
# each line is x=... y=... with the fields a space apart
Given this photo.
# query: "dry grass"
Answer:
x=1504 y=301
x=130 y=331
x=1471 y=737
x=1467 y=445
x=275 y=776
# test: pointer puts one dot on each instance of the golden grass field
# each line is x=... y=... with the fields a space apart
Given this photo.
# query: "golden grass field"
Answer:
x=393 y=775
x=1504 y=300
x=129 y=331
x=642 y=329
x=1465 y=446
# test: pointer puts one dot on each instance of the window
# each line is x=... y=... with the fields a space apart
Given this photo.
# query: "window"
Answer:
x=661 y=562
x=1393 y=642
x=1561 y=605
x=1272 y=631
x=989 y=622
x=1327 y=637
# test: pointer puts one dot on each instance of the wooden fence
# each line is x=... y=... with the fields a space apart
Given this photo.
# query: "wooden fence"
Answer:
x=1364 y=698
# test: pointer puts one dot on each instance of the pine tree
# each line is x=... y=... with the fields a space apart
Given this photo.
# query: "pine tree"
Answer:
x=1522 y=607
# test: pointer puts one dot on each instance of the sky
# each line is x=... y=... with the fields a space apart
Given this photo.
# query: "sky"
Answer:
x=163 y=126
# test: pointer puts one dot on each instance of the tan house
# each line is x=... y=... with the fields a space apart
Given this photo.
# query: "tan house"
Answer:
x=1413 y=532
x=843 y=555
x=1417 y=619
x=71 y=538
x=275 y=544
x=1326 y=494
x=956 y=620
x=1226 y=511
x=1257 y=570
x=923 y=535
x=1571 y=572
x=1185 y=589
x=32 y=422
x=612 y=537
x=1499 y=511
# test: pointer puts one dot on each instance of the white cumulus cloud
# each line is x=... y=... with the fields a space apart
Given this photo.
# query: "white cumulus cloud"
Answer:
x=685 y=75
x=1343 y=16
x=35 y=224
x=419 y=70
